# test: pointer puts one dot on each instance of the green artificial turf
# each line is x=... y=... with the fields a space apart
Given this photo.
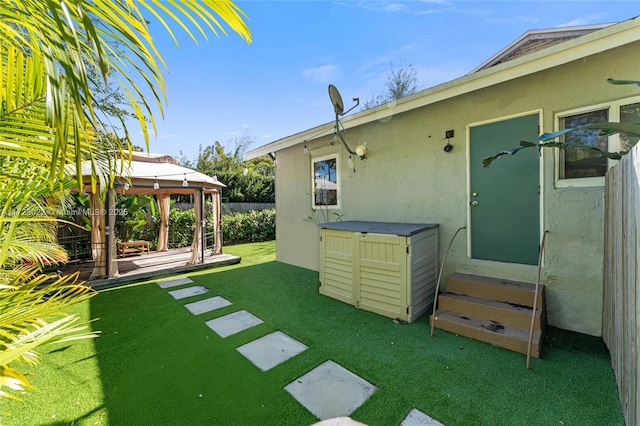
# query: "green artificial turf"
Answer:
x=157 y=364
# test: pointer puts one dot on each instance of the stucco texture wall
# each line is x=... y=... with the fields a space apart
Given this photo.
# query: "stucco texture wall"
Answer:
x=407 y=177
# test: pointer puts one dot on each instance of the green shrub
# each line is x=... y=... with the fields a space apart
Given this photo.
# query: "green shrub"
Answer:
x=252 y=188
x=182 y=224
x=251 y=226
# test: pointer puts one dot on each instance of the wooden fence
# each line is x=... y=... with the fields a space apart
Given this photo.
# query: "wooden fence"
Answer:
x=621 y=316
x=244 y=207
x=230 y=207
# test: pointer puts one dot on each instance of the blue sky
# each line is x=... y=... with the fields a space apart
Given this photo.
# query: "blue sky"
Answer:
x=276 y=86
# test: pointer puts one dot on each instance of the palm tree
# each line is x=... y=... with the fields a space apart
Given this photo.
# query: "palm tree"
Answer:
x=50 y=54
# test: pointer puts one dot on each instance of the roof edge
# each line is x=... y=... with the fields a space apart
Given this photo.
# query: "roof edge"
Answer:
x=597 y=41
x=540 y=33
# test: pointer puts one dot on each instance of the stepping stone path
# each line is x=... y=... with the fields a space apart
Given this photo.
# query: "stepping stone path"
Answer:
x=174 y=283
x=233 y=323
x=271 y=350
x=188 y=292
x=328 y=391
x=418 y=418
x=207 y=305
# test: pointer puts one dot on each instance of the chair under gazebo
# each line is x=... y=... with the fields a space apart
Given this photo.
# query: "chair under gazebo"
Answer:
x=150 y=174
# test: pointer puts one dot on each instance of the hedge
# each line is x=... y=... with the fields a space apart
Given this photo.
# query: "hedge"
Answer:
x=251 y=226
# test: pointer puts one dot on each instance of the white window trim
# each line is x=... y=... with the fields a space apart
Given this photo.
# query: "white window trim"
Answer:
x=613 y=143
x=338 y=181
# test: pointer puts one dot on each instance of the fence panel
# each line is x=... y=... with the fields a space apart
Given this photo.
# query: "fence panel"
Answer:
x=621 y=316
x=245 y=207
x=230 y=207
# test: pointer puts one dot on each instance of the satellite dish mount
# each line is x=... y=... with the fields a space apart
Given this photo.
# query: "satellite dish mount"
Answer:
x=338 y=107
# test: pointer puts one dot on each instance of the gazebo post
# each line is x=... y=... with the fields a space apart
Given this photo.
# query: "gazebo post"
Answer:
x=196 y=246
x=203 y=241
x=164 y=206
x=216 y=202
x=97 y=236
x=108 y=232
x=218 y=236
x=112 y=253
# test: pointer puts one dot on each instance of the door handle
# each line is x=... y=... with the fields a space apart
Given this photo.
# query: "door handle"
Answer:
x=474 y=203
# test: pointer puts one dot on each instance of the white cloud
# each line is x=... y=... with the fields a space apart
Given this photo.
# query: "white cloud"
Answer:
x=527 y=19
x=430 y=76
x=414 y=8
x=383 y=64
x=395 y=7
x=165 y=135
x=322 y=74
x=585 y=20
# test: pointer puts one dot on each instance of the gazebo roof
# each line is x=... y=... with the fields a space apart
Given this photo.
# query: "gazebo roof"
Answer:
x=147 y=169
x=139 y=173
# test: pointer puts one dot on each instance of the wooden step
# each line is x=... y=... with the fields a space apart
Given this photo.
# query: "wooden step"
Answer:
x=506 y=313
x=493 y=332
x=516 y=292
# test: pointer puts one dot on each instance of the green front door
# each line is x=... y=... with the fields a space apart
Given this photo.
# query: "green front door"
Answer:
x=505 y=198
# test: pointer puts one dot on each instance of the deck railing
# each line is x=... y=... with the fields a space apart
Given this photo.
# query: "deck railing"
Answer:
x=78 y=247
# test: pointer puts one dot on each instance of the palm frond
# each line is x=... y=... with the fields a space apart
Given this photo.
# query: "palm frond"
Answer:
x=49 y=54
x=54 y=43
x=32 y=309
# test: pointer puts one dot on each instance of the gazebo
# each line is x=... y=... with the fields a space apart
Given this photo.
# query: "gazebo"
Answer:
x=149 y=174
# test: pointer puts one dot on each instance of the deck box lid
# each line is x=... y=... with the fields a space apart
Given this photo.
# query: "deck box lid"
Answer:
x=395 y=228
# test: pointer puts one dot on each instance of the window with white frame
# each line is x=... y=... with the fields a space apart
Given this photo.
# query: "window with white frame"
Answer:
x=629 y=113
x=325 y=182
x=580 y=163
x=589 y=167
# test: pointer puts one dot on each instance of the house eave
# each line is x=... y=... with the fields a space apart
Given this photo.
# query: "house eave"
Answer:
x=559 y=32
x=593 y=43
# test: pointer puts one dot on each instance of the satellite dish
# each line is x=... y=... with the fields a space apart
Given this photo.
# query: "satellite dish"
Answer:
x=336 y=99
x=338 y=106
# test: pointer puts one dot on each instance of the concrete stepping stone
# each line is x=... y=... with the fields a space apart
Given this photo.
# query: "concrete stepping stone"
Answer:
x=188 y=292
x=233 y=323
x=207 y=305
x=271 y=350
x=174 y=282
x=418 y=418
x=330 y=390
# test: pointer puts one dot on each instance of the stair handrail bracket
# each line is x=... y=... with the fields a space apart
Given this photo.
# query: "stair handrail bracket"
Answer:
x=535 y=298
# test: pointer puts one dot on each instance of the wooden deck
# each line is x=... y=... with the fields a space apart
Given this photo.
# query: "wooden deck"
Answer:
x=143 y=267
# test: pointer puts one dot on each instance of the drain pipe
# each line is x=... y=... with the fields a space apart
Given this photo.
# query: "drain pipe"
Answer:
x=535 y=300
x=435 y=297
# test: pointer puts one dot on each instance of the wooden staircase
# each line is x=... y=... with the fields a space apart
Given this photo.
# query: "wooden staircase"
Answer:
x=492 y=310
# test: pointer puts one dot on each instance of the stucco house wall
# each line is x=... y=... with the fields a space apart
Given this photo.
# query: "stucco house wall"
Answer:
x=407 y=177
